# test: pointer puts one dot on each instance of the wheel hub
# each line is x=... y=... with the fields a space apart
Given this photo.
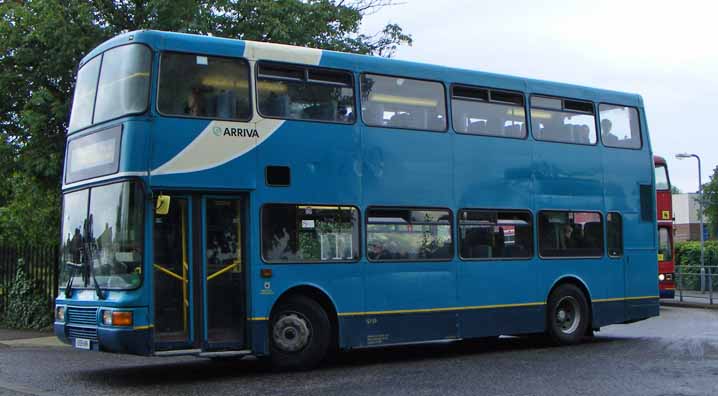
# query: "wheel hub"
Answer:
x=561 y=315
x=568 y=315
x=291 y=332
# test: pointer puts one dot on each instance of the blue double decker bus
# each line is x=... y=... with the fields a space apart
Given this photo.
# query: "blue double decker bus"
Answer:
x=227 y=198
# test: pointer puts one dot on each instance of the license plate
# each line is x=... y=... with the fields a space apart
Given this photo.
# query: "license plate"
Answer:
x=82 y=343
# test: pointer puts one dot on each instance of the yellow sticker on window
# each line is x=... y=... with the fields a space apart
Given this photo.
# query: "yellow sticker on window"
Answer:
x=666 y=215
x=660 y=257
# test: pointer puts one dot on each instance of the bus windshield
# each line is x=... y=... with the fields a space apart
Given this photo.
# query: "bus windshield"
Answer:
x=662 y=182
x=103 y=226
x=111 y=85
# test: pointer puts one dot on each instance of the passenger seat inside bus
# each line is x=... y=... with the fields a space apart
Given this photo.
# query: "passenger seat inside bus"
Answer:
x=401 y=120
x=277 y=105
x=581 y=134
x=477 y=127
x=494 y=126
x=592 y=234
x=373 y=114
x=515 y=130
x=323 y=111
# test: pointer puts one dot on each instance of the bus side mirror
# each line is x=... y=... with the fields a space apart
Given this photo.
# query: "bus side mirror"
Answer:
x=162 y=207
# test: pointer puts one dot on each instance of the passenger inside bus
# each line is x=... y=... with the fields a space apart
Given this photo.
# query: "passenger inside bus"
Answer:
x=606 y=135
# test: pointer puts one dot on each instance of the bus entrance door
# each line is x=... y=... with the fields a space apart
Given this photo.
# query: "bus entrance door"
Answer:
x=223 y=273
x=199 y=288
x=172 y=268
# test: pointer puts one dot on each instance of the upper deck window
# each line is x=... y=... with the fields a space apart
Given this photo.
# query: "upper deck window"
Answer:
x=397 y=102
x=563 y=120
x=123 y=88
x=85 y=90
x=305 y=93
x=619 y=126
x=481 y=111
x=124 y=82
x=662 y=181
x=204 y=86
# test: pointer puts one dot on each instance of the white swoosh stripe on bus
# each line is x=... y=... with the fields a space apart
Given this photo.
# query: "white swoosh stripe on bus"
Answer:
x=208 y=150
x=256 y=51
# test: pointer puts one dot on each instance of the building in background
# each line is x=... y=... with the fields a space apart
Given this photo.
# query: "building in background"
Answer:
x=687 y=225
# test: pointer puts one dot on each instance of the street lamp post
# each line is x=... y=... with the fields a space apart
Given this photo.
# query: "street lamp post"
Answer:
x=700 y=213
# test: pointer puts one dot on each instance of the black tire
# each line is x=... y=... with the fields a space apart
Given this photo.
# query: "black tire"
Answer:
x=299 y=334
x=567 y=315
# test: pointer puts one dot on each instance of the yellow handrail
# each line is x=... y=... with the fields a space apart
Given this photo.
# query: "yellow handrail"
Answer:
x=223 y=270
x=237 y=262
x=170 y=273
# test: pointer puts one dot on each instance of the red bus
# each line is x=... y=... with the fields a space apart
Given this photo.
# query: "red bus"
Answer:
x=664 y=211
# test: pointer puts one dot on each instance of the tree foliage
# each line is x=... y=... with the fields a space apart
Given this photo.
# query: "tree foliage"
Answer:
x=710 y=202
x=42 y=41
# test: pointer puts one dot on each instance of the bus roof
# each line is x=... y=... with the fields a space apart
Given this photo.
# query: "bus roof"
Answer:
x=371 y=64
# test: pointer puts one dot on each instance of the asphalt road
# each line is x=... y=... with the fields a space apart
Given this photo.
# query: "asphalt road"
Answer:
x=676 y=354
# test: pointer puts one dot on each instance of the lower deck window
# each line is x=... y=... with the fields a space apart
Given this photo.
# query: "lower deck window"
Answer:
x=310 y=233
x=408 y=234
x=570 y=234
x=486 y=234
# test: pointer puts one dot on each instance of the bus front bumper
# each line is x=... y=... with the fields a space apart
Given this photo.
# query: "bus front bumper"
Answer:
x=117 y=340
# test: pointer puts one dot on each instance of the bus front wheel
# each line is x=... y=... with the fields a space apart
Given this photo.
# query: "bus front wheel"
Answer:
x=300 y=332
x=567 y=316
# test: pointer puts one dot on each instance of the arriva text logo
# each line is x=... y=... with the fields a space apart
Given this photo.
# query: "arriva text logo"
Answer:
x=238 y=132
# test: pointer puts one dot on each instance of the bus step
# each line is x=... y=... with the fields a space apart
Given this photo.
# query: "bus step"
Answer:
x=227 y=354
x=178 y=352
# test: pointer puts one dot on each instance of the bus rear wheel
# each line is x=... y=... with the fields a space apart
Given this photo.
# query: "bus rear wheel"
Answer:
x=300 y=333
x=567 y=316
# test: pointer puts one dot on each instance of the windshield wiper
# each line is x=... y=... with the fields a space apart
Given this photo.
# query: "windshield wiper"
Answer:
x=73 y=268
x=89 y=261
x=90 y=269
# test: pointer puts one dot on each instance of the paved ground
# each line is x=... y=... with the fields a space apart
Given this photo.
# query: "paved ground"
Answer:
x=10 y=334
x=691 y=298
x=676 y=354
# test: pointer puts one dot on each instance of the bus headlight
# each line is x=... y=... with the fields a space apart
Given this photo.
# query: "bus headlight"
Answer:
x=661 y=277
x=60 y=313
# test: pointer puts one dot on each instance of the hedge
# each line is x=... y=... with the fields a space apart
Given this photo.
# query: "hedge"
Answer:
x=688 y=261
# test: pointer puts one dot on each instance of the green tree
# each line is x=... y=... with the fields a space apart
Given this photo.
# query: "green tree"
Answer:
x=676 y=190
x=710 y=202
x=42 y=41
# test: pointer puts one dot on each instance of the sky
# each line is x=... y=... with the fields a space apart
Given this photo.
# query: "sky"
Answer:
x=665 y=51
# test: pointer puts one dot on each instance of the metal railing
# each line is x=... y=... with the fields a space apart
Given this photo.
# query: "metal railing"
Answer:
x=696 y=284
x=40 y=265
